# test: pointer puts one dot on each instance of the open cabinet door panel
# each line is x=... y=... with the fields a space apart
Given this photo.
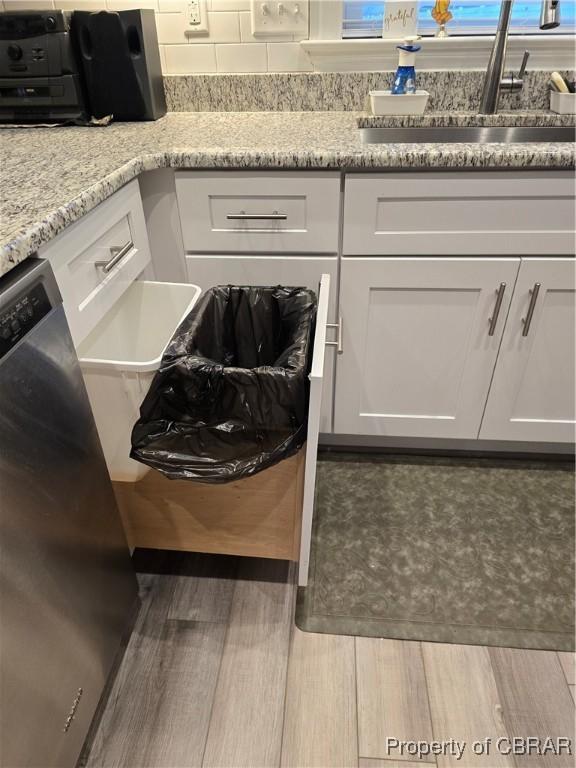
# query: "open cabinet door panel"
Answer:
x=314 y=408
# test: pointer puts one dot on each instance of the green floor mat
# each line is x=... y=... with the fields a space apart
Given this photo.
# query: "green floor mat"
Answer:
x=450 y=550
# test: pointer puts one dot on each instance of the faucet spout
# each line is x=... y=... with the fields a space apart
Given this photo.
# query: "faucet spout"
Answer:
x=494 y=81
x=495 y=69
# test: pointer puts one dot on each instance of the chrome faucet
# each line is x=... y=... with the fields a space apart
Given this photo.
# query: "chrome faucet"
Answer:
x=494 y=81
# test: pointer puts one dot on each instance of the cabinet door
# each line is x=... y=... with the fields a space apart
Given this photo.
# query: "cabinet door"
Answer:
x=213 y=270
x=318 y=371
x=419 y=344
x=532 y=393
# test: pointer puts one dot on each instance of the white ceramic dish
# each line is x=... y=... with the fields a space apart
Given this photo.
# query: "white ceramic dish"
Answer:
x=563 y=103
x=385 y=103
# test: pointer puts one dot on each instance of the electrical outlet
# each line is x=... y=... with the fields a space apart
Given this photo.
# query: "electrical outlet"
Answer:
x=196 y=17
x=279 y=17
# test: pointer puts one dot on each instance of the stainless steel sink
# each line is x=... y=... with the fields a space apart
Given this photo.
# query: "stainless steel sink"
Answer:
x=466 y=135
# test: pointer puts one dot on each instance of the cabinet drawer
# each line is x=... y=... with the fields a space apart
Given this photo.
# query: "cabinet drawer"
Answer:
x=98 y=257
x=281 y=212
x=457 y=214
x=213 y=270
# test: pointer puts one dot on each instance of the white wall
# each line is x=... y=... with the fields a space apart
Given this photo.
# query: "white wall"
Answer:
x=228 y=47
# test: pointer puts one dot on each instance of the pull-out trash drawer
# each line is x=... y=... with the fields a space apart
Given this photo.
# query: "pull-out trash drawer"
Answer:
x=265 y=514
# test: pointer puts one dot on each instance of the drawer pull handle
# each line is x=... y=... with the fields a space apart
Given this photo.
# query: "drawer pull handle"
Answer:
x=118 y=252
x=497 y=306
x=243 y=216
x=339 y=340
x=533 y=299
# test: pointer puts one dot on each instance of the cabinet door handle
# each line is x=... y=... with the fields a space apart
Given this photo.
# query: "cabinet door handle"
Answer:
x=339 y=340
x=242 y=216
x=118 y=252
x=527 y=321
x=497 y=306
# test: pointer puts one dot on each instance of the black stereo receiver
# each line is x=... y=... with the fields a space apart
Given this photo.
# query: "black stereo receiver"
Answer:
x=57 y=66
x=39 y=76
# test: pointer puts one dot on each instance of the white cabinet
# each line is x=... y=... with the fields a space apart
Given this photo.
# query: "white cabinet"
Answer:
x=97 y=258
x=481 y=213
x=533 y=390
x=421 y=337
x=420 y=354
x=259 y=211
x=269 y=269
x=263 y=228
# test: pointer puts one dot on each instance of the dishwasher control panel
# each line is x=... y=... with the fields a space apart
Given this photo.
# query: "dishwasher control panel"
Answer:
x=17 y=319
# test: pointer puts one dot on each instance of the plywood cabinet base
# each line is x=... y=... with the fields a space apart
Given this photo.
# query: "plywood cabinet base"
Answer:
x=258 y=516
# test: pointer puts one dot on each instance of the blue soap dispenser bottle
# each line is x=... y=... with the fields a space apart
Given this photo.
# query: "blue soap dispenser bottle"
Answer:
x=405 y=77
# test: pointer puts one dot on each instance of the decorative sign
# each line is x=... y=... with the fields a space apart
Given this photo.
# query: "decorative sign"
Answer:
x=400 y=19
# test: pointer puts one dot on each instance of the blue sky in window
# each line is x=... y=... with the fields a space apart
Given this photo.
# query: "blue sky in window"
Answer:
x=470 y=16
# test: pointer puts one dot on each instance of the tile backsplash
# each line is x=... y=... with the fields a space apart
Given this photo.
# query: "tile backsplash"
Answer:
x=229 y=45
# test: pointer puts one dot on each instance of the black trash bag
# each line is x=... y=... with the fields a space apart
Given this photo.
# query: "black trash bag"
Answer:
x=231 y=395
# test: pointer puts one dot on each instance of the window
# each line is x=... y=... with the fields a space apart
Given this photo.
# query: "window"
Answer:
x=363 y=18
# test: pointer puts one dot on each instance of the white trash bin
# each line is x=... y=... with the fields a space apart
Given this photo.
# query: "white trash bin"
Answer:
x=119 y=358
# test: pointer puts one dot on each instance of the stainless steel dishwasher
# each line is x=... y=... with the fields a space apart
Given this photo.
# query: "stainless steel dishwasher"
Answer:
x=67 y=588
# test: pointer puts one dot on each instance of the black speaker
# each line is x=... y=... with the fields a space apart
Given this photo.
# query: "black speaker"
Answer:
x=120 y=60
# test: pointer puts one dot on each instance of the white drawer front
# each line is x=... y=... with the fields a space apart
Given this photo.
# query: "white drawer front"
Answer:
x=98 y=257
x=277 y=212
x=307 y=271
x=87 y=270
x=457 y=214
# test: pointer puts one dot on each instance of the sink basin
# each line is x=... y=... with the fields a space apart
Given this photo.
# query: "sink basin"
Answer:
x=466 y=135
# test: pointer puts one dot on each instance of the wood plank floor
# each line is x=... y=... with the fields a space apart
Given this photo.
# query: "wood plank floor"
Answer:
x=216 y=674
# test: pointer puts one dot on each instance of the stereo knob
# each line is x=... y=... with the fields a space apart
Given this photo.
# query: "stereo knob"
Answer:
x=50 y=23
x=14 y=52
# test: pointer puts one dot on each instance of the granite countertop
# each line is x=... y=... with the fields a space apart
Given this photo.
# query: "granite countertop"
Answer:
x=52 y=176
x=461 y=119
